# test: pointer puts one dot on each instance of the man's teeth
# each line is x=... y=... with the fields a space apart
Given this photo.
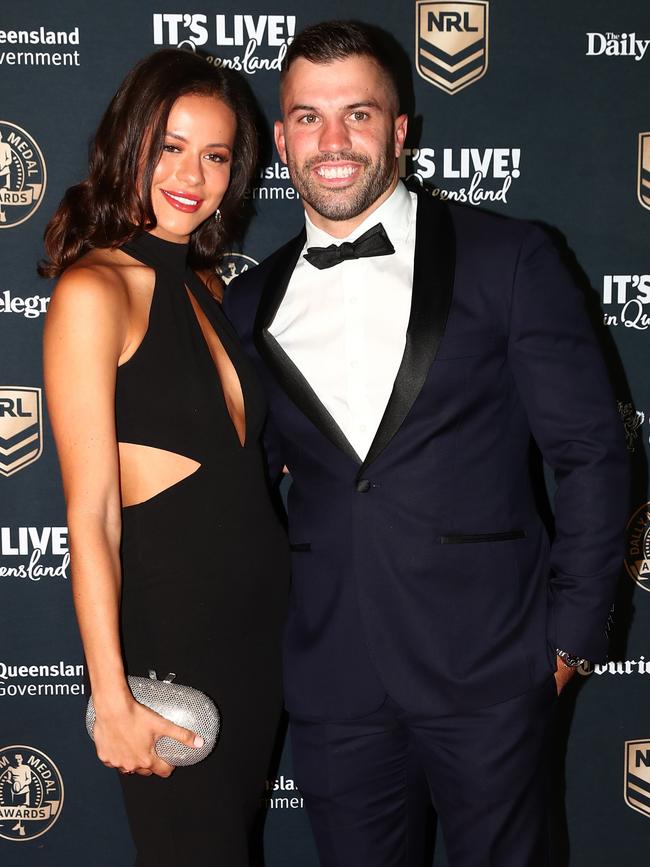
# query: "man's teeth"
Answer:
x=338 y=172
x=182 y=199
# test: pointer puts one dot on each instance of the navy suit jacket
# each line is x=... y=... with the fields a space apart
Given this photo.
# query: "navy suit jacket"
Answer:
x=424 y=571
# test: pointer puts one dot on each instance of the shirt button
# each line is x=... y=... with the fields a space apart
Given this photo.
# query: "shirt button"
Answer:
x=363 y=486
x=354 y=364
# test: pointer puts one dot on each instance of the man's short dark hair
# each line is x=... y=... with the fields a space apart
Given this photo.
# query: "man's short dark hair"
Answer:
x=337 y=40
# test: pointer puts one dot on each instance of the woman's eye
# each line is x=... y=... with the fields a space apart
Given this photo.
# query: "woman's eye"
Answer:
x=170 y=148
x=217 y=158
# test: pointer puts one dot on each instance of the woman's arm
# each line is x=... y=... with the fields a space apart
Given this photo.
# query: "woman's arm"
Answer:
x=87 y=331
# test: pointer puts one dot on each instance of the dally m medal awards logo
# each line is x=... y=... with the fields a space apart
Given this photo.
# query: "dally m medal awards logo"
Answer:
x=23 y=175
x=636 y=788
x=234 y=264
x=31 y=793
x=637 y=556
x=643 y=186
x=21 y=428
x=451 y=42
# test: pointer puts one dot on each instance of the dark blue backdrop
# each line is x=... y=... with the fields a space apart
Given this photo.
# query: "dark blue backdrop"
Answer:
x=553 y=115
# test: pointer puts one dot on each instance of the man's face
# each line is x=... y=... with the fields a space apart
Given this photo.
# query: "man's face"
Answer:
x=340 y=138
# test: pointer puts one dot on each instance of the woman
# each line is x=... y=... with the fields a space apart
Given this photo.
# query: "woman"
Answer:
x=178 y=562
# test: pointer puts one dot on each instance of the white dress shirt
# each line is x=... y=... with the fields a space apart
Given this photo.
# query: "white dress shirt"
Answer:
x=345 y=327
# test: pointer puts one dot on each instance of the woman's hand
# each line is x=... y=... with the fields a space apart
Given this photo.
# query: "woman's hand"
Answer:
x=125 y=738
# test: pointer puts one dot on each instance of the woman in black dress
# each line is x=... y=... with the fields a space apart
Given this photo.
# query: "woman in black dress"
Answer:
x=178 y=561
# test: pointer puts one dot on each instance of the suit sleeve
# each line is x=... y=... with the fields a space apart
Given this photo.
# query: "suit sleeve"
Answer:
x=562 y=381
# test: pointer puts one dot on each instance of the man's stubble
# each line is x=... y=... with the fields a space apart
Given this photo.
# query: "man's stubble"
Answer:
x=346 y=203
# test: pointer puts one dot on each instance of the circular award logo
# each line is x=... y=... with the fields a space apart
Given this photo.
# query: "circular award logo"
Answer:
x=23 y=175
x=234 y=264
x=637 y=556
x=31 y=793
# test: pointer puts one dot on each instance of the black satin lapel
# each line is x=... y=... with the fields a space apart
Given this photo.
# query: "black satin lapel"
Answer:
x=285 y=371
x=433 y=282
x=303 y=395
x=277 y=282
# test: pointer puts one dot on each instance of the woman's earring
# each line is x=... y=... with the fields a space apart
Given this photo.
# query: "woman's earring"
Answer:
x=217 y=216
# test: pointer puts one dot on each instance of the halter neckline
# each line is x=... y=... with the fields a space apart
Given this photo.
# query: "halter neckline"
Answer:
x=157 y=252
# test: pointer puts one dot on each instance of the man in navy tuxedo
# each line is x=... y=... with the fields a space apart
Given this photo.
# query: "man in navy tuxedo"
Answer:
x=412 y=351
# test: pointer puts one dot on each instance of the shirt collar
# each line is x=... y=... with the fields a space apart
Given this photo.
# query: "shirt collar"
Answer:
x=394 y=214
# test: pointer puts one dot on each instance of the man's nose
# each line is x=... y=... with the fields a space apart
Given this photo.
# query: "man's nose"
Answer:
x=334 y=136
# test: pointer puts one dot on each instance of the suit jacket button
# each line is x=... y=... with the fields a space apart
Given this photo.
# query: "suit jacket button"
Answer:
x=363 y=486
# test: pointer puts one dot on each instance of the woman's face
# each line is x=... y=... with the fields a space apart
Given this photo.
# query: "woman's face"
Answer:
x=193 y=172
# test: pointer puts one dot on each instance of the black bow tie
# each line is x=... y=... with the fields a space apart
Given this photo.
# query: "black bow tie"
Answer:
x=374 y=242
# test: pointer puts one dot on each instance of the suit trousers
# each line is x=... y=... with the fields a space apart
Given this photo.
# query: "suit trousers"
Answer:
x=485 y=770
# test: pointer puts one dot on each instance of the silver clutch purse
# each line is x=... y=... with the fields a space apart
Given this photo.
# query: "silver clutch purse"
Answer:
x=182 y=705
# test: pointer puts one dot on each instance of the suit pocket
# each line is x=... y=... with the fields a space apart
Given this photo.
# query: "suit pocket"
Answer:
x=468 y=538
x=301 y=547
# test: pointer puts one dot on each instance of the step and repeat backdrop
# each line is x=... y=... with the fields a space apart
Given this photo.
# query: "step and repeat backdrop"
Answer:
x=533 y=110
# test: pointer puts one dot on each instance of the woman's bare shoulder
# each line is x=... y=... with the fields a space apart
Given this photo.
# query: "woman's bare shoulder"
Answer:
x=94 y=293
x=101 y=277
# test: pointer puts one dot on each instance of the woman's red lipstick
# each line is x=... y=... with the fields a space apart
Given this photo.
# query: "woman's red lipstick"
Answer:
x=182 y=201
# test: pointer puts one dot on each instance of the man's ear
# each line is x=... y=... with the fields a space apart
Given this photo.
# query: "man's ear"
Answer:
x=401 y=127
x=278 y=135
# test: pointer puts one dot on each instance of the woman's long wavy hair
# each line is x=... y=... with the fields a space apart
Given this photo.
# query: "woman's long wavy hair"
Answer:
x=113 y=204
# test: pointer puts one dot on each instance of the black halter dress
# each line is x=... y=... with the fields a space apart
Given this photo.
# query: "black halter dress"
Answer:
x=205 y=572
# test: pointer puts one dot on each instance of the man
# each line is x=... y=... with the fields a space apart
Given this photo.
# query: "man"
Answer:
x=406 y=376
x=21 y=780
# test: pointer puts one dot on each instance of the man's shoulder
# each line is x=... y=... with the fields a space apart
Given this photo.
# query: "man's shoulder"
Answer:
x=493 y=250
x=254 y=279
x=476 y=227
x=243 y=293
x=473 y=224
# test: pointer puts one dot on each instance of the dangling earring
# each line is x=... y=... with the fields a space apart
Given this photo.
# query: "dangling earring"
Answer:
x=217 y=216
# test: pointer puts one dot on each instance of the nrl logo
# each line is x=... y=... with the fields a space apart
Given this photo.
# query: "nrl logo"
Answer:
x=451 y=42
x=21 y=426
x=636 y=787
x=643 y=186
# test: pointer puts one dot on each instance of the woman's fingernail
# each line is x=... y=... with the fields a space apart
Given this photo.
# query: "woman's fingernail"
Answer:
x=198 y=742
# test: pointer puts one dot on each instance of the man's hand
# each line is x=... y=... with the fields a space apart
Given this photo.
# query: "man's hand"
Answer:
x=563 y=674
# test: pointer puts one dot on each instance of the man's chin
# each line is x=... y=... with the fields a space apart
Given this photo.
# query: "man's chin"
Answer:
x=336 y=206
x=340 y=204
